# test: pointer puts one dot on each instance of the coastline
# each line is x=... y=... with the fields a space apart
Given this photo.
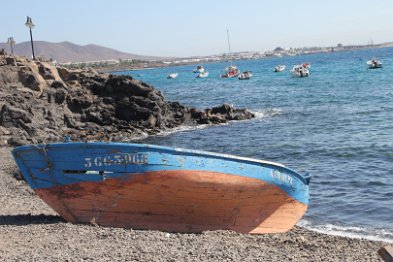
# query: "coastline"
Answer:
x=31 y=230
x=145 y=65
x=140 y=67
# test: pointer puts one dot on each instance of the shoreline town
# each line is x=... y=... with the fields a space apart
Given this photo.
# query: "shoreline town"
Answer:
x=113 y=65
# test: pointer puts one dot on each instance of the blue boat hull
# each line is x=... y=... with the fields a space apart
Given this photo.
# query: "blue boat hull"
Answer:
x=152 y=187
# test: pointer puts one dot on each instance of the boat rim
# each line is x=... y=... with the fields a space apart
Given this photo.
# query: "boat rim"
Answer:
x=305 y=178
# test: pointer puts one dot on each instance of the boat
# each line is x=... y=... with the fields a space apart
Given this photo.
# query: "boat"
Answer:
x=232 y=70
x=245 y=75
x=279 y=68
x=199 y=69
x=153 y=187
x=203 y=74
x=300 y=71
x=374 y=64
x=172 y=76
x=306 y=65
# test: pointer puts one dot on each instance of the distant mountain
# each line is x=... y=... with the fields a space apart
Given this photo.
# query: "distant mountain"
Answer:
x=70 y=52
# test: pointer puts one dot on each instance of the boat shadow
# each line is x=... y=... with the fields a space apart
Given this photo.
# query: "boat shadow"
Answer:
x=28 y=219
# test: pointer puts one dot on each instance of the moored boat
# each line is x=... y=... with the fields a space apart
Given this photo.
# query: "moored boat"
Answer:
x=160 y=188
x=374 y=64
x=203 y=74
x=279 y=68
x=232 y=70
x=172 y=76
x=199 y=69
x=300 y=71
x=246 y=75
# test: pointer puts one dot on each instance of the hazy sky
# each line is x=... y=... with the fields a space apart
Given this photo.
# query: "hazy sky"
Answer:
x=186 y=28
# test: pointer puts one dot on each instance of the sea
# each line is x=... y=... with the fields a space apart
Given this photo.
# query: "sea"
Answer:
x=336 y=125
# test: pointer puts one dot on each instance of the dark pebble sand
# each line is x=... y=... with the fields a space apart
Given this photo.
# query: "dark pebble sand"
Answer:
x=31 y=231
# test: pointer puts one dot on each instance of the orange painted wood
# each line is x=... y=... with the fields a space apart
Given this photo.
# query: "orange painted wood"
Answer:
x=178 y=201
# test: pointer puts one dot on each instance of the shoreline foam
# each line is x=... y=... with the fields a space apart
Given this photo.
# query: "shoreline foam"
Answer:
x=380 y=235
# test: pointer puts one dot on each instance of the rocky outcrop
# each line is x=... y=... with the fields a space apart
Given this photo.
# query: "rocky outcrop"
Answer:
x=42 y=103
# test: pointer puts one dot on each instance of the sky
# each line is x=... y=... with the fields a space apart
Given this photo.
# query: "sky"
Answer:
x=197 y=28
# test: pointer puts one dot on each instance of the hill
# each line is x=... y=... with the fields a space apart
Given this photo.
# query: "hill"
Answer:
x=70 y=52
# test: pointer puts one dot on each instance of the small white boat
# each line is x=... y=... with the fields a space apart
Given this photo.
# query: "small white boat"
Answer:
x=203 y=74
x=279 y=68
x=199 y=69
x=172 y=76
x=374 y=63
x=245 y=75
x=300 y=71
x=231 y=71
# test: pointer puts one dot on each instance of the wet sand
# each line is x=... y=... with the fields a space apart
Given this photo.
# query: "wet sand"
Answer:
x=31 y=231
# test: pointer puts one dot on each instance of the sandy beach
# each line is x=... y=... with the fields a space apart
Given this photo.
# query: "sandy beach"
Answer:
x=31 y=231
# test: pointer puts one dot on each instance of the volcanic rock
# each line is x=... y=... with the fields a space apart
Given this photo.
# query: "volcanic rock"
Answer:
x=43 y=103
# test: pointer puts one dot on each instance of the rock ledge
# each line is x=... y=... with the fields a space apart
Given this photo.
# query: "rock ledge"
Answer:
x=42 y=103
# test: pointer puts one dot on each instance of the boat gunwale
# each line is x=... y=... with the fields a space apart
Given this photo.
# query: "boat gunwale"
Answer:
x=304 y=178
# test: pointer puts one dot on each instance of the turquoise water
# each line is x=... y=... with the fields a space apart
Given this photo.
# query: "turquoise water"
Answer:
x=336 y=125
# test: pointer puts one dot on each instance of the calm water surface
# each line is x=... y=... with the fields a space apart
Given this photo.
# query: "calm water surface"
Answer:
x=336 y=125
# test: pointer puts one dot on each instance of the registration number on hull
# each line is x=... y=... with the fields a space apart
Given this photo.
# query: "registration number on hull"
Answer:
x=116 y=159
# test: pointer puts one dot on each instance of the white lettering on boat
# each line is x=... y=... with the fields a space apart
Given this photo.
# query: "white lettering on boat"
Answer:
x=281 y=177
x=119 y=159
